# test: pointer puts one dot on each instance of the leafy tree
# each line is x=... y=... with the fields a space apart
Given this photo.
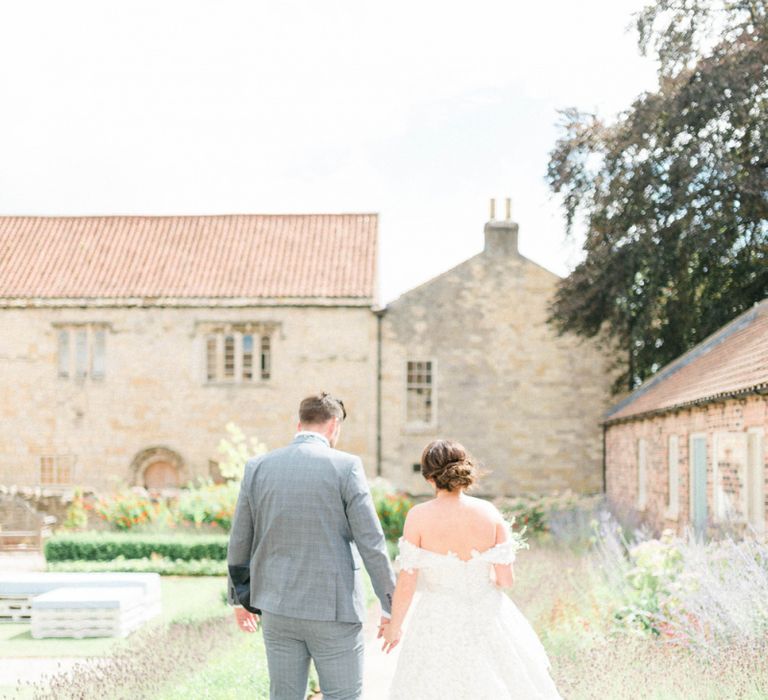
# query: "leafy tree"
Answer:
x=674 y=193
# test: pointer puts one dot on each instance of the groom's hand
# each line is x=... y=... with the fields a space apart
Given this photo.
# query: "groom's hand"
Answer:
x=246 y=621
x=391 y=636
x=382 y=624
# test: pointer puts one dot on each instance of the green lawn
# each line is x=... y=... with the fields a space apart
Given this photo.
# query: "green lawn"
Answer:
x=191 y=598
x=237 y=672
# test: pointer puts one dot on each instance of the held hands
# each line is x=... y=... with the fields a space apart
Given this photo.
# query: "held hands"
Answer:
x=390 y=634
x=247 y=621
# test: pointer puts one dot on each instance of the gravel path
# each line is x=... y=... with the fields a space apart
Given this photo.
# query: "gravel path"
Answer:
x=379 y=667
x=21 y=561
x=31 y=670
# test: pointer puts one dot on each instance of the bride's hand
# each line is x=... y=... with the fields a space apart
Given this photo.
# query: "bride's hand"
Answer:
x=246 y=621
x=391 y=636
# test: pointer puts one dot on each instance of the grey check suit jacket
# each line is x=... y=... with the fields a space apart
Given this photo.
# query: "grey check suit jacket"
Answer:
x=304 y=519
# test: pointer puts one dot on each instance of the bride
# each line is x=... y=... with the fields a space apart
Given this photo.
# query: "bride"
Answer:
x=465 y=638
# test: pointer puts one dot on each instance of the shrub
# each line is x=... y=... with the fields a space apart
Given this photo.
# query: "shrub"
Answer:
x=563 y=516
x=108 y=546
x=208 y=503
x=237 y=449
x=701 y=595
x=392 y=507
x=76 y=517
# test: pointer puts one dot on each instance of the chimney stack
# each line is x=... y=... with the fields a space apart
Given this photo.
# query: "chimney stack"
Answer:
x=501 y=235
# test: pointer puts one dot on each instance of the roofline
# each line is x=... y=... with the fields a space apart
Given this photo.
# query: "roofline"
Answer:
x=459 y=265
x=754 y=390
x=179 y=302
x=686 y=358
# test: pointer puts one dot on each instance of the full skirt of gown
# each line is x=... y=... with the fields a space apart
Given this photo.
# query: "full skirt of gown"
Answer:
x=465 y=639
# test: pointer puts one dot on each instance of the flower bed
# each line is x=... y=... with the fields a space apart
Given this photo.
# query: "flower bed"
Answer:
x=392 y=507
x=205 y=505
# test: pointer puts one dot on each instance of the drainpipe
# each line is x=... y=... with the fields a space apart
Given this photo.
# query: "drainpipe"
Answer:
x=379 y=316
x=605 y=430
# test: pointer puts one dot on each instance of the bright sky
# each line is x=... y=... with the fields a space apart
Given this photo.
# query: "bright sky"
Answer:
x=420 y=111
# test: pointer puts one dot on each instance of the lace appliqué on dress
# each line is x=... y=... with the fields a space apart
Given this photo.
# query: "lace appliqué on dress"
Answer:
x=412 y=557
x=409 y=557
x=503 y=553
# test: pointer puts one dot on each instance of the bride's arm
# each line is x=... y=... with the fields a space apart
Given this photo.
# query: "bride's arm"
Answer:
x=404 y=590
x=505 y=573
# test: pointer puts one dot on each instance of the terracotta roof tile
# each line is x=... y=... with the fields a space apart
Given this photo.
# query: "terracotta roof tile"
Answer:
x=732 y=361
x=247 y=256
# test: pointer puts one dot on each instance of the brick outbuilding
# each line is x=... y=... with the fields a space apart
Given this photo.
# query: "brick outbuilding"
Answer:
x=688 y=446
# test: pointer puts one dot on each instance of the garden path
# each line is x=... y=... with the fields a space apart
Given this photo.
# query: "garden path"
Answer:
x=379 y=667
x=21 y=561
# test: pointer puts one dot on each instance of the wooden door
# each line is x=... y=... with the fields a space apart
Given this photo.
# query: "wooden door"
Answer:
x=698 y=469
x=161 y=475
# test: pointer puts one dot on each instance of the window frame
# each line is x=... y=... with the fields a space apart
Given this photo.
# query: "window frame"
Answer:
x=243 y=361
x=419 y=425
x=57 y=469
x=720 y=511
x=758 y=496
x=88 y=362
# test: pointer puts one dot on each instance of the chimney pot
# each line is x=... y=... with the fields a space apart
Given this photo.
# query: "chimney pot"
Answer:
x=501 y=236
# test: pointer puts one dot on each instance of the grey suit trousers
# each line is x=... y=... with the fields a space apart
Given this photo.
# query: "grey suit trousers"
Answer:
x=336 y=647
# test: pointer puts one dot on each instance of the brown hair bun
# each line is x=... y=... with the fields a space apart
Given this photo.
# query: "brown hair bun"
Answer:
x=449 y=465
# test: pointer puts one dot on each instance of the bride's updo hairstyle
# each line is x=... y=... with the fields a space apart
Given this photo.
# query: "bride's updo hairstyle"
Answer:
x=449 y=465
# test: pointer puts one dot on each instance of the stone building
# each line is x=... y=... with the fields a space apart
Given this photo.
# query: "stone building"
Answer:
x=128 y=343
x=469 y=355
x=688 y=446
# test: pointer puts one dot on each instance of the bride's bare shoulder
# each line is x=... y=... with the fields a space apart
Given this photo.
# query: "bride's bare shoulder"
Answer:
x=484 y=506
x=420 y=510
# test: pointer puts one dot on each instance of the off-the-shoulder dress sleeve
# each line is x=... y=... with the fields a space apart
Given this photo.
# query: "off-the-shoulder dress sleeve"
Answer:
x=504 y=552
x=410 y=556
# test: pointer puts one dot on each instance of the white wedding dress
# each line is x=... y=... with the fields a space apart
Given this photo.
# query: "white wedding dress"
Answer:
x=465 y=639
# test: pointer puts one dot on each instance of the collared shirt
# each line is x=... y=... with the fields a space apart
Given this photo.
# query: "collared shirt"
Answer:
x=302 y=433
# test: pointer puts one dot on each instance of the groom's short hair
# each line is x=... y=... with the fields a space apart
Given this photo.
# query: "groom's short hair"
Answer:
x=320 y=408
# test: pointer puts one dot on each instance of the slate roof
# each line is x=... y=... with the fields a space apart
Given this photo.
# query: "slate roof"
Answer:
x=731 y=362
x=296 y=256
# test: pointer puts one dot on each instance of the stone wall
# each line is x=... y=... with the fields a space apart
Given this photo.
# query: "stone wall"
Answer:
x=729 y=427
x=154 y=393
x=526 y=401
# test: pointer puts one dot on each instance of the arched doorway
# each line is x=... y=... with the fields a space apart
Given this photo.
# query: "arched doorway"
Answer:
x=158 y=469
x=161 y=475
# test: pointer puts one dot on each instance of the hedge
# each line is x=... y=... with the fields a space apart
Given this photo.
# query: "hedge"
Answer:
x=108 y=546
x=165 y=567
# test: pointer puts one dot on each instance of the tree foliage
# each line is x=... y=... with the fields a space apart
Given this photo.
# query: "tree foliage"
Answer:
x=673 y=194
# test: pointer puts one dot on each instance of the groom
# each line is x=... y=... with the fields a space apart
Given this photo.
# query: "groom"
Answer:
x=292 y=557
